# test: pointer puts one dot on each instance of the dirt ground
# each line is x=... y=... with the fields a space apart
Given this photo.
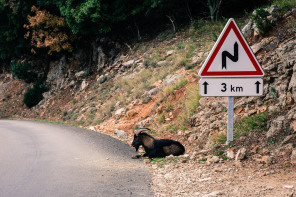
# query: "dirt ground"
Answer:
x=196 y=178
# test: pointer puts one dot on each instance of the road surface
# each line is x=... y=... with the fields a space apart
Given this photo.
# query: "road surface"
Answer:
x=43 y=159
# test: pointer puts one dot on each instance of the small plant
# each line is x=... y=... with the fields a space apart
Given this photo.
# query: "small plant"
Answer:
x=220 y=139
x=261 y=21
x=180 y=45
x=172 y=128
x=272 y=91
x=256 y=123
x=74 y=101
x=285 y=5
x=146 y=99
x=180 y=60
x=214 y=37
x=162 y=118
x=189 y=66
x=225 y=158
x=21 y=71
x=203 y=159
x=169 y=107
x=219 y=153
x=160 y=161
x=148 y=63
x=181 y=83
x=34 y=95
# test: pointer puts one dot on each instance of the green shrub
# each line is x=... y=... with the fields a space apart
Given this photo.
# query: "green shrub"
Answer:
x=285 y=5
x=254 y=123
x=261 y=21
x=21 y=71
x=34 y=95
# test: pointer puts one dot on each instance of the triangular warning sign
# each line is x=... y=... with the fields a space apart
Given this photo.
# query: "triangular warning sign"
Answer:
x=231 y=56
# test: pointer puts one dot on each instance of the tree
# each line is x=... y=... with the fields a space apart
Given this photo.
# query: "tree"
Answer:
x=13 y=15
x=214 y=6
x=48 y=31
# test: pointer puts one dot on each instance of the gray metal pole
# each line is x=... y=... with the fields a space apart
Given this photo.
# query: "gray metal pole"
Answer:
x=230 y=119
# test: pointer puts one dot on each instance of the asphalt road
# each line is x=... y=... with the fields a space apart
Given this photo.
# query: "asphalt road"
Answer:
x=43 y=159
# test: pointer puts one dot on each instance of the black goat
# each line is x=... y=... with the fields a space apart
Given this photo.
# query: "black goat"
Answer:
x=156 y=148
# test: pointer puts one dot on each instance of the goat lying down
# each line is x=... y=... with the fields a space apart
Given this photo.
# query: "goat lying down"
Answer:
x=156 y=148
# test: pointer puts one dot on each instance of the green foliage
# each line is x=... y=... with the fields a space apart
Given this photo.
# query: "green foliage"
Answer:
x=220 y=138
x=21 y=71
x=225 y=158
x=214 y=7
x=34 y=95
x=162 y=118
x=13 y=16
x=218 y=153
x=261 y=21
x=203 y=160
x=181 y=83
x=98 y=16
x=256 y=123
x=285 y=5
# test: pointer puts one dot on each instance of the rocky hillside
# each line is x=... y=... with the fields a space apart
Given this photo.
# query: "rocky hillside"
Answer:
x=117 y=87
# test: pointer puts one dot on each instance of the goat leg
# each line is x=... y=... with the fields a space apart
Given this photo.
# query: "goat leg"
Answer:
x=136 y=156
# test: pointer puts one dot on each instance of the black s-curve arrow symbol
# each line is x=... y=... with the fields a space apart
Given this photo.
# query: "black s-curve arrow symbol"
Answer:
x=205 y=89
x=233 y=58
x=257 y=87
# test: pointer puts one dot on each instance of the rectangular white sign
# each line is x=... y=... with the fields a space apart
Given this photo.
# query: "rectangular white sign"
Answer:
x=231 y=86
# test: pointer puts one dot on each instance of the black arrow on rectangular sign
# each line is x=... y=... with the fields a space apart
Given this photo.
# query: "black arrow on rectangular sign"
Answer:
x=257 y=87
x=205 y=89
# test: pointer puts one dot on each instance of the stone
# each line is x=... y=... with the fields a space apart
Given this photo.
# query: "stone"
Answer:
x=120 y=133
x=170 y=79
x=100 y=58
x=215 y=159
x=230 y=154
x=55 y=76
x=293 y=156
x=128 y=63
x=267 y=160
x=119 y=111
x=196 y=60
x=162 y=63
x=212 y=194
x=152 y=92
x=241 y=154
x=255 y=149
x=274 y=10
x=276 y=126
x=92 y=128
x=84 y=84
x=72 y=83
x=293 y=125
x=102 y=79
x=170 y=52
x=247 y=29
x=288 y=139
x=80 y=74
x=292 y=84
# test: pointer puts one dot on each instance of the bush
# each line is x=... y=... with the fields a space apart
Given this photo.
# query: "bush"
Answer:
x=34 y=95
x=260 y=19
x=256 y=123
x=21 y=71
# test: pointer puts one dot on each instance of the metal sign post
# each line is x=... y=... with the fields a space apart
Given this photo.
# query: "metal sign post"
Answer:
x=230 y=120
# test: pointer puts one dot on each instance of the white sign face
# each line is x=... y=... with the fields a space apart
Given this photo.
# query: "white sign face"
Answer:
x=231 y=56
x=231 y=87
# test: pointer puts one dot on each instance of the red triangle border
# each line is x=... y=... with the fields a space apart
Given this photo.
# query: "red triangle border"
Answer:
x=257 y=72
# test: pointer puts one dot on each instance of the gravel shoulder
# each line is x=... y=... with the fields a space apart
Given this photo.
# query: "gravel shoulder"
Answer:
x=185 y=177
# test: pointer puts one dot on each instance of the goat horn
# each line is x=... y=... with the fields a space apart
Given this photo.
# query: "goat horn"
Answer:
x=141 y=130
